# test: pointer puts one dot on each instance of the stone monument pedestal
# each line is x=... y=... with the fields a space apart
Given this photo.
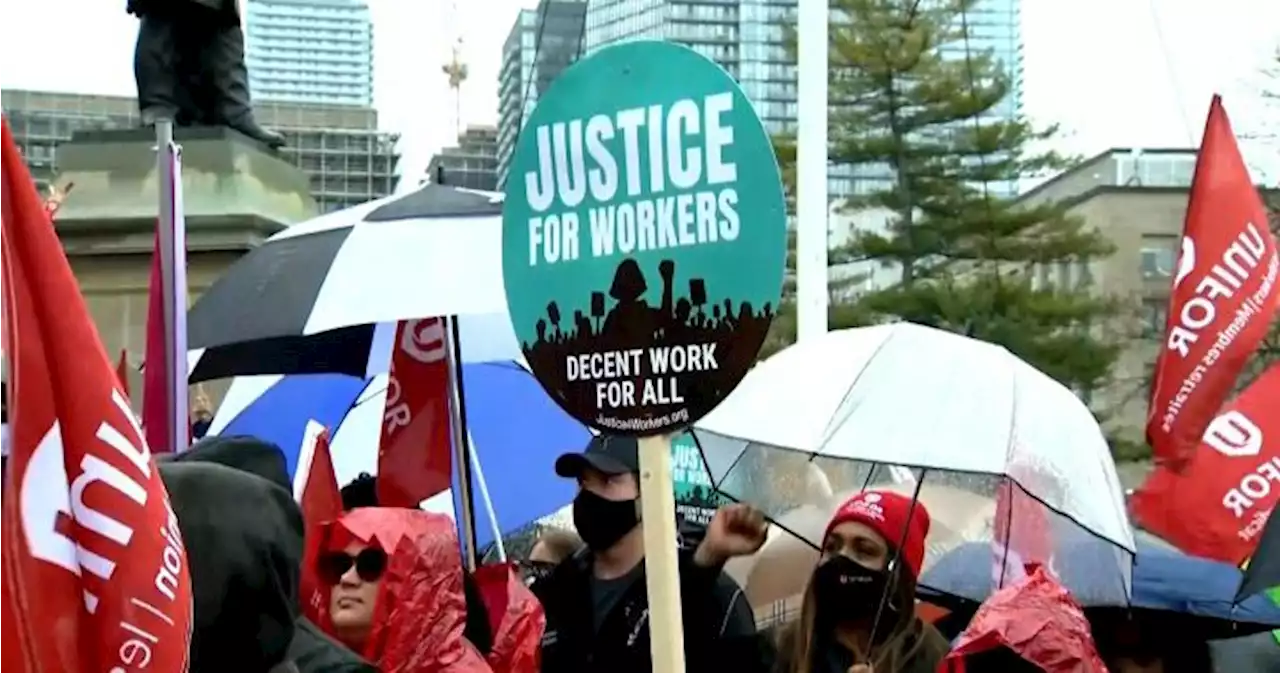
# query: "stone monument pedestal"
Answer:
x=236 y=193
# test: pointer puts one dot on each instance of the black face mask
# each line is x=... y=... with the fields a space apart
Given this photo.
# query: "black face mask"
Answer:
x=849 y=591
x=602 y=522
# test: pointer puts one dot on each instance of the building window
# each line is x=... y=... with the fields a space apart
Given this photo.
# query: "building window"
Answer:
x=1085 y=274
x=1159 y=172
x=1155 y=315
x=1064 y=275
x=1158 y=256
x=1184 y=169
x=1125 y=174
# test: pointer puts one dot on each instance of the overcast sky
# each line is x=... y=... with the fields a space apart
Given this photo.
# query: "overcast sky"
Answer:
x=1114 y=73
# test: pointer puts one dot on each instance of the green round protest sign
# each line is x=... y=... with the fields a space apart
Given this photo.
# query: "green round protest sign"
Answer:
x=644 y=238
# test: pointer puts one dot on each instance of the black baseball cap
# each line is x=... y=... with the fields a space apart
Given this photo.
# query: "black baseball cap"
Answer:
x=610 y=454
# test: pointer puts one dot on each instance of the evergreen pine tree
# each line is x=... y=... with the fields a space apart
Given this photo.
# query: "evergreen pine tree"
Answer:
x=913 y=102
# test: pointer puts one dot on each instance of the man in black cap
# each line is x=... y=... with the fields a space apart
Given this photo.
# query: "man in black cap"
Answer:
x=595 y=601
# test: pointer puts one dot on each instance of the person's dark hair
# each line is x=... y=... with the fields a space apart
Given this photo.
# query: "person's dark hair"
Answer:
x=361 y=492
x=4 y=402
x=1183 y=653
x=559 y=542
x=241 y=452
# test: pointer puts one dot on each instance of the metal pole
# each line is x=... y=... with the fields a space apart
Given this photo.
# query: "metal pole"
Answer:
x=488 y=505
x=171 y=228
x=811 y=170
x=461 y=446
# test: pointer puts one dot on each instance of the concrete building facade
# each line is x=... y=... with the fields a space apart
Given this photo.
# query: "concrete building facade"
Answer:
x=1138 y=200
x=472 y=163
x=347 y=160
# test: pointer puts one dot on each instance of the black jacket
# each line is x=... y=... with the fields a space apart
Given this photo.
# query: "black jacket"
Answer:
x=310 y=650
x=719 y=628
x=314 y=652
x=244 y=545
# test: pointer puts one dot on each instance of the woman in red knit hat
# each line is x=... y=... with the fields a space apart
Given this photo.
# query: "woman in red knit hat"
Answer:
x=871 y=556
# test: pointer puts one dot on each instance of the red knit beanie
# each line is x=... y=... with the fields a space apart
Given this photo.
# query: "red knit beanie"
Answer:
x=887 y=512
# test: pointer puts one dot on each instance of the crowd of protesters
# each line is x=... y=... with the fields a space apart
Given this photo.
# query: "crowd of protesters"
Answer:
x=396 y=597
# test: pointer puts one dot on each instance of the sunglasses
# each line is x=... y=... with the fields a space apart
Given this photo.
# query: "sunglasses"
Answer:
x=369 y=564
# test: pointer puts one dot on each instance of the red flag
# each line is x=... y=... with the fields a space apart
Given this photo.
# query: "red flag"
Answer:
x=155 y=375
x=1223 y=296
x=94 y=568
x=315 y=487
x=122 y=371
x=414 y=457
x=516 y=619
x=1217 y=505
x=10 y=629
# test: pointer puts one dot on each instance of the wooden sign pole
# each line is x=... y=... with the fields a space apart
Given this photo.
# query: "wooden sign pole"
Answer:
x=661 y=565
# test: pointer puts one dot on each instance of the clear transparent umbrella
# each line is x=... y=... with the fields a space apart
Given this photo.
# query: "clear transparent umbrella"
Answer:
x=1022 y=460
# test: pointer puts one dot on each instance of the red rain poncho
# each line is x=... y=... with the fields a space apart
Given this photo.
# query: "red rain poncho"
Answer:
x=516 y=617
x=1038 y=620
x=421 y=609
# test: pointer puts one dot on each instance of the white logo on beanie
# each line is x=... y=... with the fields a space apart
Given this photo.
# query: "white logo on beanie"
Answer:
x=868 y=506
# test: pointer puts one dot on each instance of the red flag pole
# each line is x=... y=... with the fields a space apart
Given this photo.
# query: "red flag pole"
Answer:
x=173 y=273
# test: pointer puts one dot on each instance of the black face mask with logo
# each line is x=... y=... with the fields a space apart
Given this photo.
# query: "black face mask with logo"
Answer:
x=601 y=522
x=848 y=591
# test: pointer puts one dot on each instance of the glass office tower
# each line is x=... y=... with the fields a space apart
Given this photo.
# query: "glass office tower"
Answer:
x=309 y=51
x=746 y=37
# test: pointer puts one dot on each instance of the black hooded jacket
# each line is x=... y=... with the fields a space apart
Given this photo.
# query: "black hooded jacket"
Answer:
x=311 y=650
x=243 y=537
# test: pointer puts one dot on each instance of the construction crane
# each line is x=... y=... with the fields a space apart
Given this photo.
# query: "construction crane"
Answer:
x=455 y=69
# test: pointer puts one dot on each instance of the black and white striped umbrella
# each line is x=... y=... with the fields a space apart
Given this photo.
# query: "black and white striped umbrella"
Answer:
x=307 y=300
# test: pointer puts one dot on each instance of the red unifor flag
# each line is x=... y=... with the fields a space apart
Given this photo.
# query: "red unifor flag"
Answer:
x=315 y=487
x=95 y=574
x=1219 y=502
x=414 y=457
x=1223 y=296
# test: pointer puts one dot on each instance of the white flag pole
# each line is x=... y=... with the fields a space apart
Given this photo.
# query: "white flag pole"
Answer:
x=811 y=170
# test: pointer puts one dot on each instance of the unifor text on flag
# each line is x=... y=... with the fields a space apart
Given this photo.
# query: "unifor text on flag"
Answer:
x=1223 y=296
x=95 y=572
x=1217 y=505
x=415 y=455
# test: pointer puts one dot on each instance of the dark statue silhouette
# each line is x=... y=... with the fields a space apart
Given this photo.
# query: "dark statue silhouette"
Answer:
x=189 y=66
x=625 y=320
